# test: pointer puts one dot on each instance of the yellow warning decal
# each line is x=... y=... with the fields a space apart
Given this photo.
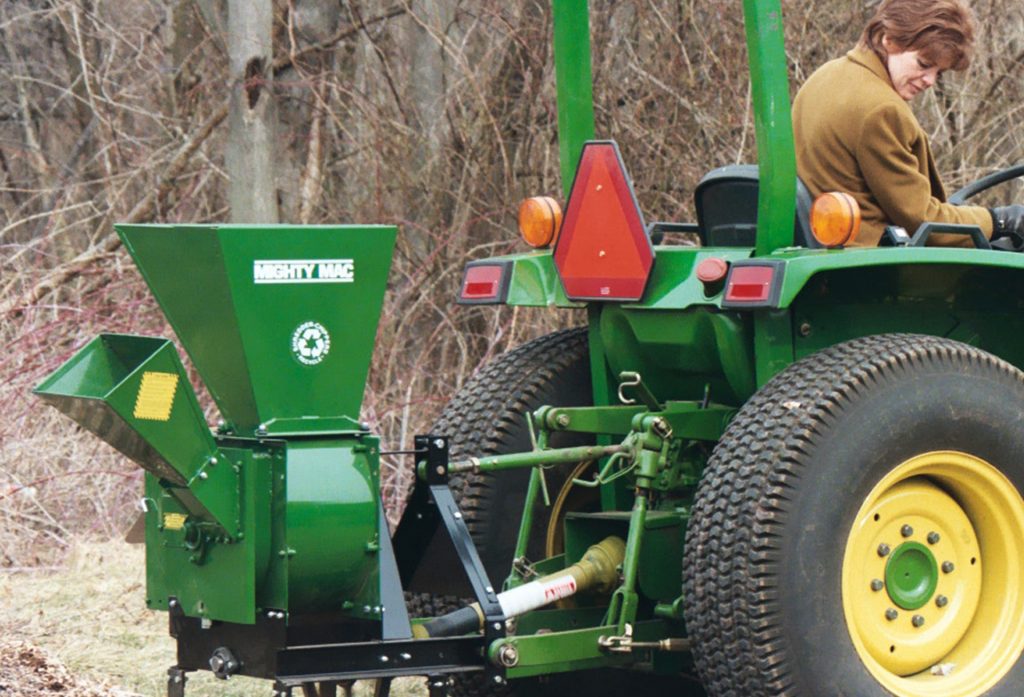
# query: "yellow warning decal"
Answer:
x=156 y=396
x=174 y=521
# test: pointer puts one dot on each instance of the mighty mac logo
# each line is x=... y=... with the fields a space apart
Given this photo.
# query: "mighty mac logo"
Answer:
x=303 y=271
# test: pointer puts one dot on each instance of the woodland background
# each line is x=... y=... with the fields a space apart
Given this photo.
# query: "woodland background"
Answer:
x=435 y=115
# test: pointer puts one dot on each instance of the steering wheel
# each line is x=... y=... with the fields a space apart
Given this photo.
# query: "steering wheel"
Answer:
x=1013 y=243
x=985 y=183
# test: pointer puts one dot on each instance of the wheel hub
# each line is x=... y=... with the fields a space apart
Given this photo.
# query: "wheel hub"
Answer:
x=911 y=575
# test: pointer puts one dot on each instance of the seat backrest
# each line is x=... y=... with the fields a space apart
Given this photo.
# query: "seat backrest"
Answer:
x=726 y=202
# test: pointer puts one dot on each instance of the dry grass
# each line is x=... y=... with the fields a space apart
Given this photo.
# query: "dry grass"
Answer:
x=90 y=615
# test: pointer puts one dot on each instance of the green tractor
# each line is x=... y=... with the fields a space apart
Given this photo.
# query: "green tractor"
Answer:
x=764 y=467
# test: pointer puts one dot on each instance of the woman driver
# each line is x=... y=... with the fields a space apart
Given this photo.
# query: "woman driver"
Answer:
x=855 y=131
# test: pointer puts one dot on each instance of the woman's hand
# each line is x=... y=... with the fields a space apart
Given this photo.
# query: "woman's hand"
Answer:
x=1008 y=221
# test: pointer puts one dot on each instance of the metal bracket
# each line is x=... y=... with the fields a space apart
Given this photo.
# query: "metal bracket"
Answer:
x=436 y=459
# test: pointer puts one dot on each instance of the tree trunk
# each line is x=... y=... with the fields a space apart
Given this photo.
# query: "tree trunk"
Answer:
x=252 y=121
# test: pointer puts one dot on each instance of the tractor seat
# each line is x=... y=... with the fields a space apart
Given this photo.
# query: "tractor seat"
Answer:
x=726 y=201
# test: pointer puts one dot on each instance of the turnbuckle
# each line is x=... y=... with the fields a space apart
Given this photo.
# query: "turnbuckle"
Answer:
x=626 y=644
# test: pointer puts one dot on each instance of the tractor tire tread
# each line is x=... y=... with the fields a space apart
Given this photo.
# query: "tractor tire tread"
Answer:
x=731 y=555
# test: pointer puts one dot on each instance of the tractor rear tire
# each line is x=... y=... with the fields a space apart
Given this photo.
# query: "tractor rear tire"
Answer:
x=859 y=529
x=488 y=417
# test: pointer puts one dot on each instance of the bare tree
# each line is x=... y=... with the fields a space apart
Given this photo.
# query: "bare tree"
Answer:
x=252 y=120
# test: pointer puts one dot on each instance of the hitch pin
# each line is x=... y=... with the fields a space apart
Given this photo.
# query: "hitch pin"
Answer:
x=625 y=643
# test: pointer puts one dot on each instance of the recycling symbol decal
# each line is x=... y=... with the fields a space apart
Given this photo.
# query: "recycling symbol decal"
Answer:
x=310 y=343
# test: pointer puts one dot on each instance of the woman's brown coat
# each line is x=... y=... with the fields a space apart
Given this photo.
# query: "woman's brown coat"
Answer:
x=854 y=133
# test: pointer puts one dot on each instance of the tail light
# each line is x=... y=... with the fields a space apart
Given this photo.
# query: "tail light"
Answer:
x=485 y=283
x=753 y=284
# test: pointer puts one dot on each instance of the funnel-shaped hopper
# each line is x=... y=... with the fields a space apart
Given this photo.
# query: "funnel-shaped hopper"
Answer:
x=132 y=392
x=280 y=321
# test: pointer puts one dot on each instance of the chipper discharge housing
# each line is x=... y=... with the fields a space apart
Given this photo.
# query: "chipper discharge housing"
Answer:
x=275 y=517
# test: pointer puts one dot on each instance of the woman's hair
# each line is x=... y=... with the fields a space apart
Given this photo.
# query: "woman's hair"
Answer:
x=941 y=30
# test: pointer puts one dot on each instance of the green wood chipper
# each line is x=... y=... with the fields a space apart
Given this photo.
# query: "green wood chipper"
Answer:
x=764 y=466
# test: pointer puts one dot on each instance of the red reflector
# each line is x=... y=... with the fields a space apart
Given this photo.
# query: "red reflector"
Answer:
x=750 y=284
x=603 y=252
x=712 y=270
x=482 y=283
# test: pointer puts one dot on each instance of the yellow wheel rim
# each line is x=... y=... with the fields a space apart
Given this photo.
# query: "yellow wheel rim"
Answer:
x=932 y=577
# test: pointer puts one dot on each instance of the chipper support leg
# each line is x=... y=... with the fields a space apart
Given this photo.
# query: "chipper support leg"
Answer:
x=176 y=680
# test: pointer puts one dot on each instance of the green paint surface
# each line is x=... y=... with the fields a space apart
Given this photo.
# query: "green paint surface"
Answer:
x=911 y=575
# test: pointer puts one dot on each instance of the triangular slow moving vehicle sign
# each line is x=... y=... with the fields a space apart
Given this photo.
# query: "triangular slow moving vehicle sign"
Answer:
x=603 y=251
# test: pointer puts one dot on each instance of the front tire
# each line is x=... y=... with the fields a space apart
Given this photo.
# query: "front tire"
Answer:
x=860 y=527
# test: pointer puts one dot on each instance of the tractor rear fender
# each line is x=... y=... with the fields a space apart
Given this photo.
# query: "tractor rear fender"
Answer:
x=972 y=296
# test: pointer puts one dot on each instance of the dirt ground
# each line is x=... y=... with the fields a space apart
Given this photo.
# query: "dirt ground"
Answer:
x=27 y=671
x=82 y=630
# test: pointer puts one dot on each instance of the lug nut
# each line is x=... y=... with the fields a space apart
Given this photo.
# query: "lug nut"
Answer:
x=906 y=531
x=933 y=538
x=891 y=614
x=883 y=550
x=947 y=567
x=941 y=601
x=917 y=621
x=877 y=585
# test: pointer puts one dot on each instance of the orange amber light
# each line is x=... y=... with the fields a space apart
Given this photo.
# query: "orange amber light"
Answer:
x=835 y=219
x=539 y=220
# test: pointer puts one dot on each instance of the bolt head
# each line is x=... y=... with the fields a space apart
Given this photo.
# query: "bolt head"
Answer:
x=891 y=614
x=498 y=680
x=947 y=567
x=439 y=469
x=203 y=475
x=439 y=442
x=497 y=626
x=933 y=538
x=941 y=601
x=883 y=550
x=877 y=585
x=563 y=420
x=917 y=621
x=906 y=531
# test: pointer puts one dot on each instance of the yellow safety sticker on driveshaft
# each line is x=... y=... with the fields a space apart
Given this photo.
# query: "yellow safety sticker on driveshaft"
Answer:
x=156 y=396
